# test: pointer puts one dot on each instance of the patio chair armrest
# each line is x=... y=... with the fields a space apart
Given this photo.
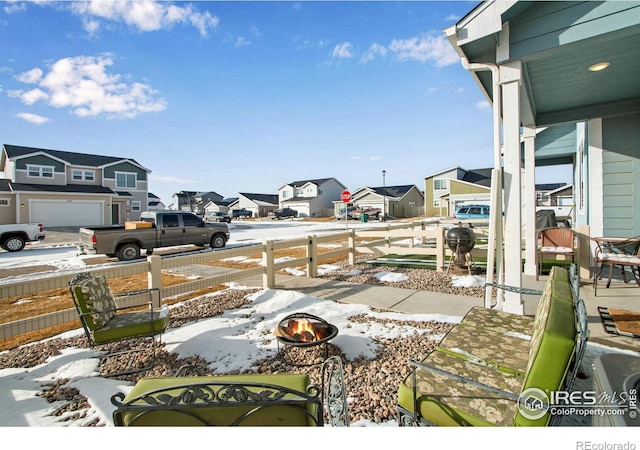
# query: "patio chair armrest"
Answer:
x=519 y=290
x=418 y=365
x=137 y=292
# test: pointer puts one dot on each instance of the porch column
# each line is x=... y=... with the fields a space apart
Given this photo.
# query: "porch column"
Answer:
x=530 y=200
x=510 y=77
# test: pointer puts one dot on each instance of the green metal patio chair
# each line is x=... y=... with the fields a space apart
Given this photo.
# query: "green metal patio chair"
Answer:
x=104 y=322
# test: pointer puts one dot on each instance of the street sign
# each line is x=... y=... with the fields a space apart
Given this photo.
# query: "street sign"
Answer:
x=345 y=196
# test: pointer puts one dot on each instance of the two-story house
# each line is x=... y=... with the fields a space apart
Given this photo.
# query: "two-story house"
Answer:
x=445 y=189
x=311 y=198
x=60 y=188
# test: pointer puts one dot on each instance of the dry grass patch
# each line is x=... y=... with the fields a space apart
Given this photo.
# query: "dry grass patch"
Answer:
x=17 y=308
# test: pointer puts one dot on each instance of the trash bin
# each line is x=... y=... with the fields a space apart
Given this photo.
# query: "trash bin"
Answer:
x=364 y=218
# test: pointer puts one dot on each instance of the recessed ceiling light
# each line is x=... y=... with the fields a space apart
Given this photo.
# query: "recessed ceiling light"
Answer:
x=599 y=66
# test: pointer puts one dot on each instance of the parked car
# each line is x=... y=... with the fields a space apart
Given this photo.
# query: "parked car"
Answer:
x=345 y=213
x=472 y=212
x=217 y=216
x=236 y=213
x=368 y=210
x=283 y=213
x=13 y=237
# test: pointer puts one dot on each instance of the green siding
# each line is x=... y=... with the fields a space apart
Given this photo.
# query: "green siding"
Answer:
x=110 y=171
x=621 y=168
x=40 y=160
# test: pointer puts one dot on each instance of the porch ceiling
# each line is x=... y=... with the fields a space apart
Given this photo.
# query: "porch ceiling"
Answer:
x=558 y=87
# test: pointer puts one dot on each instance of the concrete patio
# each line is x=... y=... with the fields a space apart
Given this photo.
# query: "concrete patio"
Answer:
x=620 y=295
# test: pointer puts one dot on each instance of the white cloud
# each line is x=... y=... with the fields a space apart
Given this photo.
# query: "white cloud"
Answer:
x=83 y=84
x=31 y=76
x=342 y=51
x=426 y=48
x=483 y=105
x=241 y=42
x=145 y=15
x=33 y=118
x=374 y=50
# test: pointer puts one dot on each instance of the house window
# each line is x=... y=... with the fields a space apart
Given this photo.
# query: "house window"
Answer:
x=82 y=175
x=135 y=206
x=125 y=180
x=440 y=184
x=40 y=171
x=285 y=194
x=4 y=202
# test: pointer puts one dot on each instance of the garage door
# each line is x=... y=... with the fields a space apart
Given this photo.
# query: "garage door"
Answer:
x=64 y=214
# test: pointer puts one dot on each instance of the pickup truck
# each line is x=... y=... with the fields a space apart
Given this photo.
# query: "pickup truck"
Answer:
x=285 y=212
x=154 y=230
x=371 y=212
x=13 y=237
x=236 y=213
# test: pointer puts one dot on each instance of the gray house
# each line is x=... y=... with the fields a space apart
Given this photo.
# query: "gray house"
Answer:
x=60 y=188
x=311 y=198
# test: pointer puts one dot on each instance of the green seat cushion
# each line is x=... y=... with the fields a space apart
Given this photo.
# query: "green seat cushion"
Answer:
x=281 y=415
x=94 y=297
x=553 y=346
x=446 y=402
x=509 y=354
x=498 y=321
x=134 y=323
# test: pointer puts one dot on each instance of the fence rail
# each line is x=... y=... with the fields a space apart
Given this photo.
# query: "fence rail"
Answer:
x=209 y=269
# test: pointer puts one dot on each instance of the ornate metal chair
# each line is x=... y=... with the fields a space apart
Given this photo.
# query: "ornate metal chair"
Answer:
x=104 y=322
x=236 y=400
x=556 y=241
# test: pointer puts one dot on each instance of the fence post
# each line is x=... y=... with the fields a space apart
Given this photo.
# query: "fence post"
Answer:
x=440 y=249
x=412 y=238
x=352 y=247
x=269 y=277
x=312 y=254
x=154 y=278
x=423 y=240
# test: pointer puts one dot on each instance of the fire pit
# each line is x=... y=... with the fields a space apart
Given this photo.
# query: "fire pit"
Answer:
x=461 y=241
x=302 y=330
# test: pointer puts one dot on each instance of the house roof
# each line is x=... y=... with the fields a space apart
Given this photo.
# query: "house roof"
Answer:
x=478 y=176
x=317 y=181
x=393 y=191
x=264 y=199
x=78 y=159
x=550 y=186
x=68 y=189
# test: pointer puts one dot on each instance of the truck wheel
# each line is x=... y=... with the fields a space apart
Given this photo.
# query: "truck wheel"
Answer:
x=128 y=252
x=13 y=244
x=218 y=241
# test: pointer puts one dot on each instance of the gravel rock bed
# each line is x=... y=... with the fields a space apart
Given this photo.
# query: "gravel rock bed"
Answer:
x=420 y=279
x=371 y=384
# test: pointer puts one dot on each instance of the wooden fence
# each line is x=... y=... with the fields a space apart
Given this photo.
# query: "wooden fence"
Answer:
x=209 y=268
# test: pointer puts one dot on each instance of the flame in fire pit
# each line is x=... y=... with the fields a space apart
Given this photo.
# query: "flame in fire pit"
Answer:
x=306 y=330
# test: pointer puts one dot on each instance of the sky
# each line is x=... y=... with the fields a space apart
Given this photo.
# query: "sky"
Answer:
x=246 y=96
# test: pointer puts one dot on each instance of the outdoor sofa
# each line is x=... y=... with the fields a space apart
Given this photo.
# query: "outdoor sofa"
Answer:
x=496 y=368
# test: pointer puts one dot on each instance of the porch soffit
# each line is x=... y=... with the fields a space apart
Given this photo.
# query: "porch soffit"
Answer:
x=556 y=43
